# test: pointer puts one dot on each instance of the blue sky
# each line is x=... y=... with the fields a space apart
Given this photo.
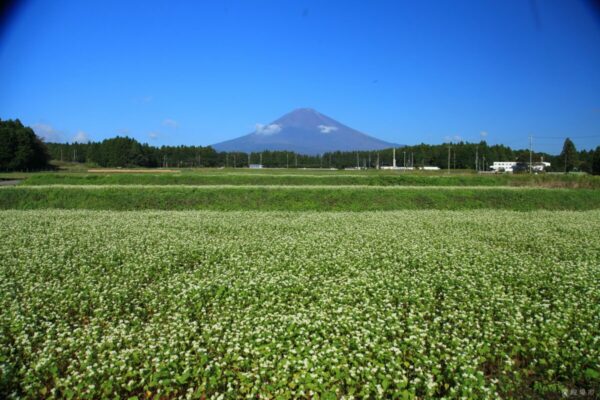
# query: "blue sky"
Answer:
x=199 y=72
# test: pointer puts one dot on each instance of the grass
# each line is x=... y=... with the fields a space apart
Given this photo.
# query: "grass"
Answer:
x=309 y=198
x=285 y=177
x=9 y=176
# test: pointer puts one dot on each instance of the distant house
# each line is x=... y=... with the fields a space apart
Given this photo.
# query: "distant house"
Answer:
x=514 y=166
x=255 y=166
x=430 y=168
x=503 y=166
x=540 y=166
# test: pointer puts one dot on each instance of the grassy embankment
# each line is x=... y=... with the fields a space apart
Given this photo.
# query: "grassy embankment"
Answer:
x=315 y=178
x=331 y=198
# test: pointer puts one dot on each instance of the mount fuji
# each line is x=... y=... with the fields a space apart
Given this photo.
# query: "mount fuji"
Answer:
x=304 y=131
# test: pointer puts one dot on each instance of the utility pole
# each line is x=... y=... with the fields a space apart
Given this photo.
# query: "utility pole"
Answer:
x=454 y=165
x=477 y=159
x=404 y=161
x=260 y=159
x=357 y=162
x=234 y=161
x=448 y=158
x=287 y=159
x=530 y=153
x=296 y=154
x=377 y=160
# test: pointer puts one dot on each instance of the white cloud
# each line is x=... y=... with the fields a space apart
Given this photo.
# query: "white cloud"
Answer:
x=123 y=131
x=171 y=123
x=483 y=134
x=327 y=128
x=270 y=129
x=47 y=133
x=457 y=138
x=81 y=137
x=153 y=135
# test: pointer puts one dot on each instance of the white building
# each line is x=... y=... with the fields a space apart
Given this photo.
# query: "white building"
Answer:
x=430 y=168
x=397 y=168
x=540 y=166
x=503 y=166
x=255 y=166
x=511 y=166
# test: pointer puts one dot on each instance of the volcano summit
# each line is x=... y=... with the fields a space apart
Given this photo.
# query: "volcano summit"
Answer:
x=304 y=131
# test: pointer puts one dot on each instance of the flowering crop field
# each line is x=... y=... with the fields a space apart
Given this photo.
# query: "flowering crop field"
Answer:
x=402 y=304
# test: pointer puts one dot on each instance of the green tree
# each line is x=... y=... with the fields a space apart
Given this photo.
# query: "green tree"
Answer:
x=596 y=161
x=568 y=156
x=20 y=148
x=121 y=152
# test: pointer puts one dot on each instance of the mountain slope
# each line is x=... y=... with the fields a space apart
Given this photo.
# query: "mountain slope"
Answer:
x=304 y=131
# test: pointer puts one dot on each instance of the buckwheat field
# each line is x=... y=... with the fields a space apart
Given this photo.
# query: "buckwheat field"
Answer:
x=402 y=304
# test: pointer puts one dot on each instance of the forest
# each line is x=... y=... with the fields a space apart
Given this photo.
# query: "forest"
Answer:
x=127 y=152
x=22 y=150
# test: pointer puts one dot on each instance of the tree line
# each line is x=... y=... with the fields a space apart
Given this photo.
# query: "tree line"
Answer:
x=21 y=149
x=127 y=152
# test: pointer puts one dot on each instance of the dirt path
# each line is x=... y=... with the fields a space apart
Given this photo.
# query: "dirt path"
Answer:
x=9 y=183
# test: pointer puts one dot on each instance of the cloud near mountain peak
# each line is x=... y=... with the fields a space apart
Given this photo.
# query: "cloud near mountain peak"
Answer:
x=270 y=129
x=327 y=128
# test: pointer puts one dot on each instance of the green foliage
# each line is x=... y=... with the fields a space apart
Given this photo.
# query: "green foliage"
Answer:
x=419 y=304
x=122 y=152
x=596 y=161
x=296 y=198
x=128 y=152
x=330 y=178
x=20 y=148
x=569 y=156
